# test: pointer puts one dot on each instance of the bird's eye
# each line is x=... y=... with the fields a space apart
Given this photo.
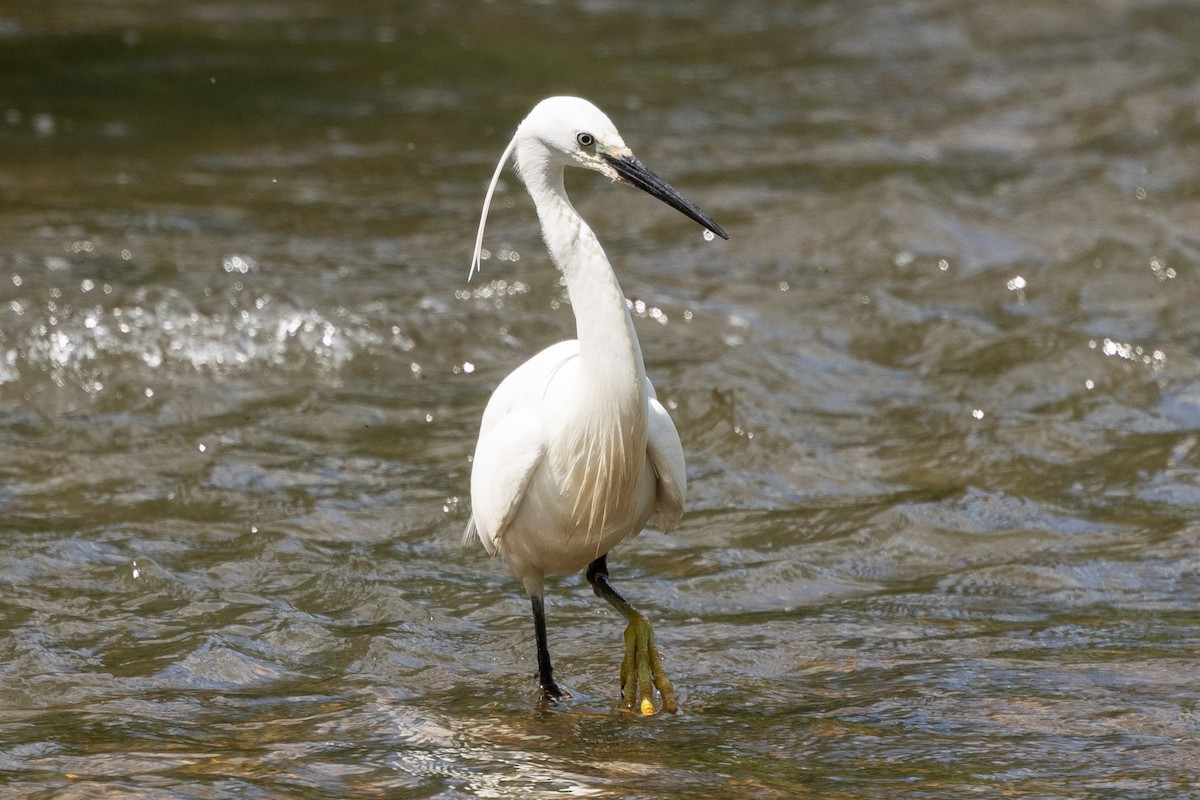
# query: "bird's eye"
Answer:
x=585 y=139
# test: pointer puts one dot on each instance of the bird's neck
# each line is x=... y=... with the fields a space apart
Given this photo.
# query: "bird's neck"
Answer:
x=602 y=457
x=608 y=345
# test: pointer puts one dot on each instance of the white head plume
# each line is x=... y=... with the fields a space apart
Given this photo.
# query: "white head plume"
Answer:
x=487 y=204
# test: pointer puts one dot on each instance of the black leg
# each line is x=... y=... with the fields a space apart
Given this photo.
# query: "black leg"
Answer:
x=641 y=670
x=545 y=671
x=597 y=575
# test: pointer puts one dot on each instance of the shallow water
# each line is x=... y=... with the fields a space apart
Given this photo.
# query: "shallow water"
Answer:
x=939 y=395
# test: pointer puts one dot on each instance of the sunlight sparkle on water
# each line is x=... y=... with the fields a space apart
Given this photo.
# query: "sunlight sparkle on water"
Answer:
x=1161 y=270
x=241 y=264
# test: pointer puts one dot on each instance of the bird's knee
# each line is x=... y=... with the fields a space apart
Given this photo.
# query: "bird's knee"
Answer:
x=597 y=572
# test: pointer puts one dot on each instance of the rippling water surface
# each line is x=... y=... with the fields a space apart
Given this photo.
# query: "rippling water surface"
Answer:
x=939 y=395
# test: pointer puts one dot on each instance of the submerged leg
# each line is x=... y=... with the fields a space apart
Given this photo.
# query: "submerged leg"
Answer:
x=545 y=671
x=641 y=670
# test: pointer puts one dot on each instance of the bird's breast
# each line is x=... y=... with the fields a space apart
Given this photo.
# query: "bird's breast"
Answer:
x=595 y=487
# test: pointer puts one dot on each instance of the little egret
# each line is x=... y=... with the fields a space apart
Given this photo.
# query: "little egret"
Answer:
x=575 y=453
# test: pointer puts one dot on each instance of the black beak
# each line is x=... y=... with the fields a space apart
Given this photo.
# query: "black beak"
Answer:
x=635 y=173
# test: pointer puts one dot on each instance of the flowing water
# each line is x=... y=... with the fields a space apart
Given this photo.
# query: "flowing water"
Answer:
x=939 y=396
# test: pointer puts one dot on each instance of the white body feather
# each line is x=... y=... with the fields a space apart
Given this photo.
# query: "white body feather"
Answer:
x=575 y=453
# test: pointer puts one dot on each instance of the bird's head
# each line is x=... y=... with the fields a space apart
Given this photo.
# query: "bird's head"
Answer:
x=571 y=132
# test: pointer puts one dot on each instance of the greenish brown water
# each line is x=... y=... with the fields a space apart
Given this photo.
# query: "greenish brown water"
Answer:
x=939 y=396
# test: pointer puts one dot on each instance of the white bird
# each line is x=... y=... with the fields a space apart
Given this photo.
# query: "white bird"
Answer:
x=575 y=453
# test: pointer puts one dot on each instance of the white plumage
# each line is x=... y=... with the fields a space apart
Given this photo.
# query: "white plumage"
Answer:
x=575 y=453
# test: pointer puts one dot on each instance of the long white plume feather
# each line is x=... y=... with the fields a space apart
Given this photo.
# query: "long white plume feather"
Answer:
x=487 y=204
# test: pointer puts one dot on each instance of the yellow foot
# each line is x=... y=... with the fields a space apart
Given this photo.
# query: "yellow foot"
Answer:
x=642 y=672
